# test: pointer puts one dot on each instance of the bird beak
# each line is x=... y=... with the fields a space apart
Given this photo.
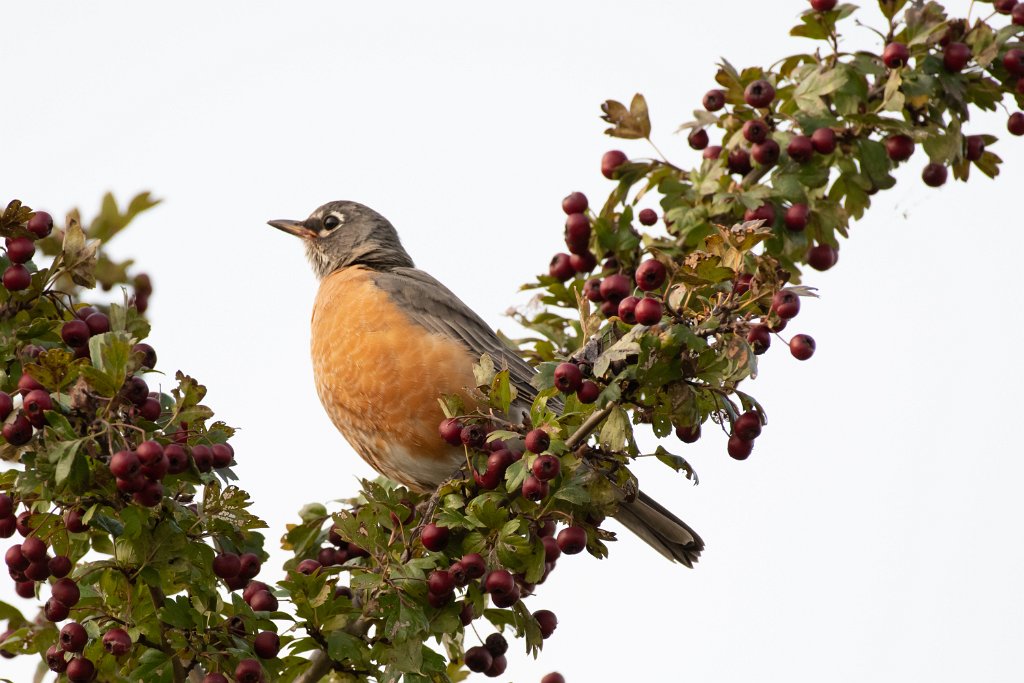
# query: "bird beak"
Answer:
x=297 y=228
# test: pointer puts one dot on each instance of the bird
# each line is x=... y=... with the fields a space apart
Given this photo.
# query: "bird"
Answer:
x=387 y=340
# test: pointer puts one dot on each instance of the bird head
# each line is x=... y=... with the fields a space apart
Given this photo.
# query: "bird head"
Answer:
x=342 y=234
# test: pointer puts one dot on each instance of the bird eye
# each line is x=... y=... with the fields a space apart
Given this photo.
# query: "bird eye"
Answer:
x=331 y=222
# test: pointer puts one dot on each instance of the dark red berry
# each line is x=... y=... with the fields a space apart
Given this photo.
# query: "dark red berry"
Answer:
x=148 y=355
x=16 y=277
x=149 y=495
x=546 y=467
x=55 y=659
x=766 y=153
x=627 y=310
x=473 y=435
x=755 y=130
x=821 y=257
x=574 y=203
x=136 y=390
x=500 y=581
x=955 y=56
x=739 y=161
x=796 y=217
x=895 y=55
x=648 y=311
x=572 y=540
x=647 y=217
x=73 y=637
x=22 y=523
x=35 y=403
x=223 y=454
x=899 y=147
x=759 y=94
x=610 y=163
x=615 y=287
x=33 y=549
x=547 y=621
x=55 y=610
x=227 y=565
x=934 y=175
x=1004 y=6
x=747 y=426
x=786 y=304
x=801 y=346
x=800 y=148
x=451 y=431
x=975 y=147
x=124 y=464
x=568 y=377
x=263 y=601
x=434 y=537
x=688 y=434
x=588 y=392
x=583 y=262
x=248 y=671
x=473 y=564
x=6 y=407
x=466 y=615
x=150 y=410
x=650 y=275
x=497 y=667
x=760 y=338
x=252 y=588
x=1013 y=61
x=765 y=212
x=203 y=457
x=7 y=526
x=697 y=139
x=98 y=323
x=537 y=441
x=308 y=567
x=496 y=644
x=577 y=232
x=714 y=100
x=75 y=333
x=739 y=449
x=266 y=645
x=478 y=659
x=40 y=224
x=117 y=642
x=15 y=559
x=38 y=570
x=60 y=566
x=80 y=670
x=561 y=267
x=823 y=5
x=824 y=140
x=1015 y=124
x=20 y=249
x=553 y=677
x=534 y=489
x=440 y=582
x=25 y=589
x=712 y=152
x=66 y=591
x=19 y=431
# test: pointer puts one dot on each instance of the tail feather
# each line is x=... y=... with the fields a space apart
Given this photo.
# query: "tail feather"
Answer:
x=661 y=529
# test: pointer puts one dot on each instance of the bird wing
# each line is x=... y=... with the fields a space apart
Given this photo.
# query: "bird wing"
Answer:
x=433 y=306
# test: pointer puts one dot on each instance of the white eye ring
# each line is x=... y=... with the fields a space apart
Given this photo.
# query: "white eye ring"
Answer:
x=332 y=221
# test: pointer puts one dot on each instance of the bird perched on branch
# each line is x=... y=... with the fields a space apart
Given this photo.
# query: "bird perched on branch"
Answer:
x=388 y=340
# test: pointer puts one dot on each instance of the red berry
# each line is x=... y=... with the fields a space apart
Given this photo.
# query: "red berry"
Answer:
x=148 y=355
x=203 y=457
x=786 y=304
x=547 y=621
x=1013 y=61
x=15 y=559
x=588 y=392
x=74 y=520
x=688 y=434
x=615 y=287
x=577 y=232
x=7 y=526
x=478 y=659
x=25 y=589
x=227 y=565
x=223 y=454
x=568 y=377
x=759 y=94
x=506 y=599
x=149 y=495
x=308 y=567
x=1005 y=6
x=33 y=549
x=955 y=56
x=73 y=637
x=38 y=570
x=20 y=249
x=765 y=212
x=55 y=659
x=263 y=601
x=440 y=582
x=760 y=338
x=766 y=153
x=712 y=152
x=697 y=139
x=572 y=540
x=75 y=333
x=975 y=147
x=451 y=431
x=500 y=581
x=117 y=642
x=627 y=310
x=150 y=410
x=55 y=610
x=650 y=275
x=739 y=161
x=98 y=323
x=1015 y=124
x=534 y=489
x=714 y=100
x=18 y=432
x=252 y=588
x=575 y=203
x=747 y=426
x=16 y=277
x=821 y=257
x=66 y=591
x=740 y=449
x=583 y=262
x=899 y=147
x=40 y=224
x=474 y=436
x=755 y=130
x=60 y=566
x=610 y=162
x=800 y=148
x=561 y=267
x=824 y=140
x=934 y=175
x=497 y=667
x=648 y=311
x=648 y=216
x=80 y=670
x=124 y=464
x=801 y=346
x=473 y=565
x=823 y=5
x=546 y=467
x=434 y=537
x=6 y=407
x=553 y=677
x=266 y=645
x=248 y=671
x=895 y=55
x=537 y=441
x=796 y=217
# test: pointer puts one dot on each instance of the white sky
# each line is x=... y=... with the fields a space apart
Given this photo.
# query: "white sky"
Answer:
x=875 y=532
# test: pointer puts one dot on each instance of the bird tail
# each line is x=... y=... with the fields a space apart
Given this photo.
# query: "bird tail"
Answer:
x=660 y=529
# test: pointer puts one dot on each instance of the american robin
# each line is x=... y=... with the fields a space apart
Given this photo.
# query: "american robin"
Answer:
x=388 y=340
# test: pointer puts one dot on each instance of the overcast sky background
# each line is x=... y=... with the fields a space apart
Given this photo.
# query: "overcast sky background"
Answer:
x=875 y=533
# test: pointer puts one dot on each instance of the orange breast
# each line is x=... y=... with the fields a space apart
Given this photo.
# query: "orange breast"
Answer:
x=379 y=377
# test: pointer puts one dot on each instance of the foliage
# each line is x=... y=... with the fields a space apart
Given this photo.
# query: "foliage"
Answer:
x=368 y=585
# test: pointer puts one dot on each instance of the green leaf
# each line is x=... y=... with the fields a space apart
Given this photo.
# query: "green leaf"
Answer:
x=810 y=90
x=79 y=256
x=678 y=463
x=633 y=123
x=616 y=430
x=111 y=221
